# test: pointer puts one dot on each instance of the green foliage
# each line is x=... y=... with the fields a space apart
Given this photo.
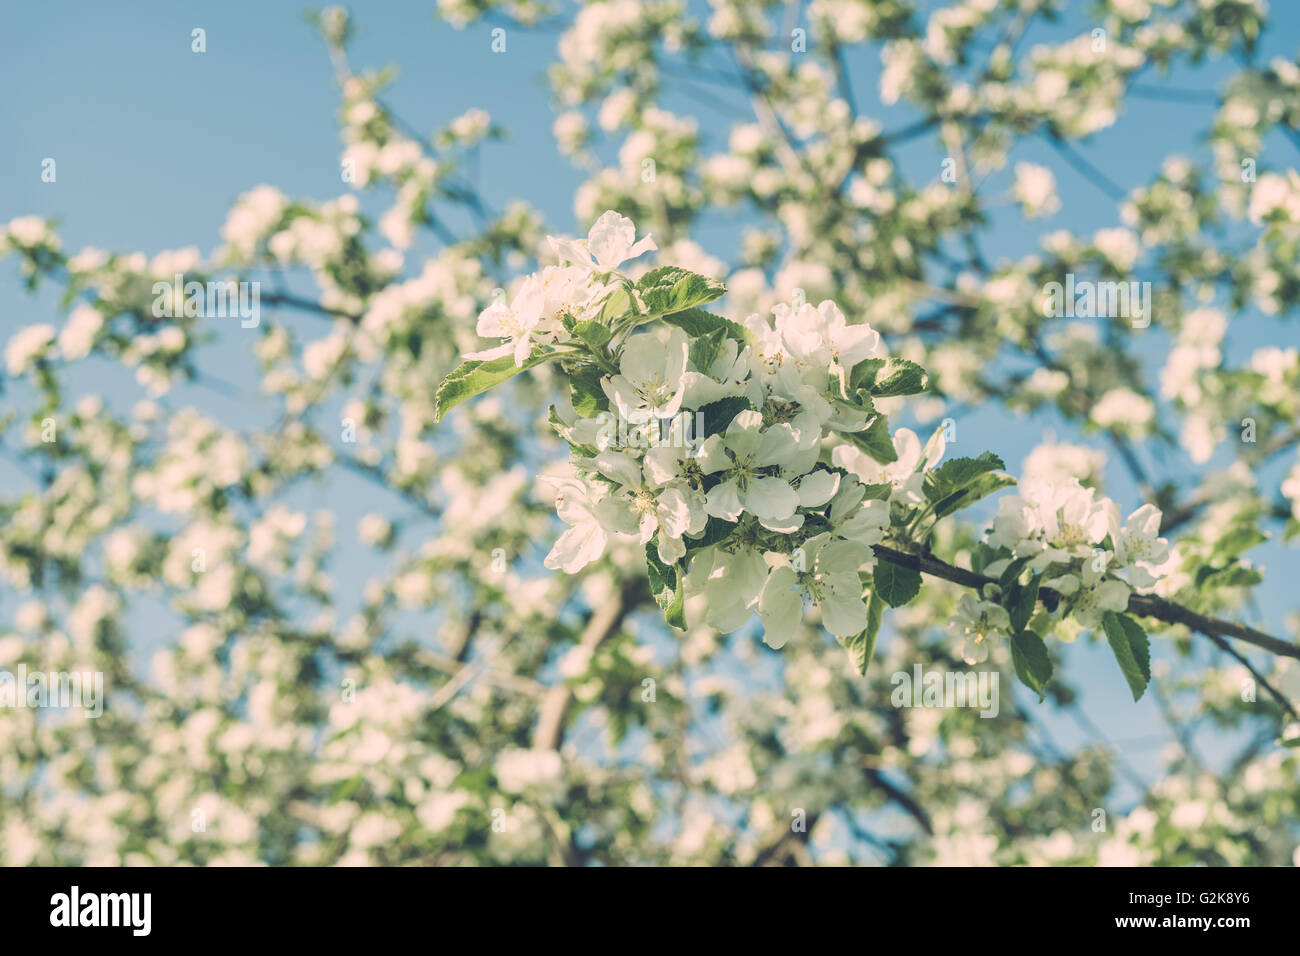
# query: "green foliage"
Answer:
x=718 y=415
x=716 y=530
x=695 y=322
x=476 y=376
x=1231 y=575
x=1032 y=664
x=981 y=487
x=585 y=393
x=668 y=290
x=705 y=346
x=960 y=482
x=1011 y=573
x=895 y=584
x=876 y=441
x=862 y=646
x=1021 y=600
x=888 y=377
x=666 y=586
x=595 y=334
x=1132 y=650
x=618 y=303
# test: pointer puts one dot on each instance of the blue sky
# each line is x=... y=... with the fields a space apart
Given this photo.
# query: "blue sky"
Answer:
x=154 y=142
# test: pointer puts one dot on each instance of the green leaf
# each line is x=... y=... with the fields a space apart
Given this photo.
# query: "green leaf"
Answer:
x=1233 y=575
x=475 y=377
x=876 y=441
x=878 y=492
x=888 y=377
x=666 y=585
x=669 y=289
x=1011 y=573
x=566 y=432
x=675 y=613
x=1033 y=666
x=897 y=585
x=862 y=646
x=585 y=392
x=1238 y=540
x=615 y=306
x=960 y=482
x=1132 y=649
x=595 y=334
x=716 y=530
x=1021 y=603
x=696 y=322
x=662 y=578
x=704 y=349
x=981 y=487
x=958 y=473
x=718 y=415
x=981 y=556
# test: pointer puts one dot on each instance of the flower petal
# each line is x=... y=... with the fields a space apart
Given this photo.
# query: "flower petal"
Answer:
x=779 y=607
x=771 y=498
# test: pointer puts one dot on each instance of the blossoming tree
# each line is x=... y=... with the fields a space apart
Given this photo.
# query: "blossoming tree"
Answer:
x=716 y=440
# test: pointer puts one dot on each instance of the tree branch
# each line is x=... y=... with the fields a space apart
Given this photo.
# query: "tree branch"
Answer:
x=603 y=624
x=1144 y=605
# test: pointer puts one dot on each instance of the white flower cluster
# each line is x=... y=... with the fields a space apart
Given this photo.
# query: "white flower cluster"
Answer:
x=723 y=461
x=1075 y=539
x=27 y=232
x=534 y=315
x=1276 y=199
